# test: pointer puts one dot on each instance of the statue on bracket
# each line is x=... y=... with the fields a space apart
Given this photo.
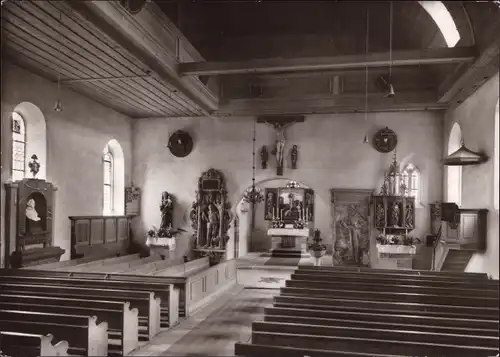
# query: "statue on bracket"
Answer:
x=264 y=156
x=166 y=208
x=294 y=155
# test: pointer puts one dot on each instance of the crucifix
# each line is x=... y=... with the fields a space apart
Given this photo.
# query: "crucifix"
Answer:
x=280 y=123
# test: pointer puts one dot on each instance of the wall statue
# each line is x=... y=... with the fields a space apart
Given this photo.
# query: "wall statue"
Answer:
x=167 y=209
x=264 y=156
x=295 y=156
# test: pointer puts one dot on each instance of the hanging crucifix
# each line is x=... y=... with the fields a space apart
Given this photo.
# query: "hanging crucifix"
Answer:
x=279 y=124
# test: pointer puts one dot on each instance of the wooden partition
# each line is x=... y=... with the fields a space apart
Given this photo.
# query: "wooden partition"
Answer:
x=92 y=235
x=203 y=285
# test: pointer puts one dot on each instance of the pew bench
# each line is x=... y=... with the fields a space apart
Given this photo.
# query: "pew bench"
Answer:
x=358 y=293
x=84 y=335
x=386 y=307
x=31 y=345
x=168 y=293
x=374 y=316
x=362 y=279
x=146 y=303
x=420 y=288
x=123 y=324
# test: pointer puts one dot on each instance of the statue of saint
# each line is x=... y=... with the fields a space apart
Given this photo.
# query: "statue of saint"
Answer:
x=166 y=208
x=212 y=220
x=380 y=217
x=395 y=214
x=295 y=155
x=409 y=215
x=270 y=201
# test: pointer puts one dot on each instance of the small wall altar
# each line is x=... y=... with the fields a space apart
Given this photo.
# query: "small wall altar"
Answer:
x=289 y=238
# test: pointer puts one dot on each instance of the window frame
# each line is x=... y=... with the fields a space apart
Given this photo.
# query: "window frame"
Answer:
x=24 y=135
x=410 y=173
x=111 y=207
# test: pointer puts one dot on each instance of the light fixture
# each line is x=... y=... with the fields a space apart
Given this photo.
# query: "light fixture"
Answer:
x=365 y=139
x=58 y=106
x=464 y=157
x=384 y=83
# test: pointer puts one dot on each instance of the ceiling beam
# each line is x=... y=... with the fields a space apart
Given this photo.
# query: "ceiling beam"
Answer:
x=342 y=103
x=382 y=59
x=461 y=84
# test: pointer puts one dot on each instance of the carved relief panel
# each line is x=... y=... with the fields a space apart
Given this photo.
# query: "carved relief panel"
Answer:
x=351 y=224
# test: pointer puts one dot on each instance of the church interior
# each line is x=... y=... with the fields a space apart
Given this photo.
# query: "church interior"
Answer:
x=250 y=178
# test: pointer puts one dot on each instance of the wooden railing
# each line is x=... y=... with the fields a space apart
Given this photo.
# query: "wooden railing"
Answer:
x=99 y=235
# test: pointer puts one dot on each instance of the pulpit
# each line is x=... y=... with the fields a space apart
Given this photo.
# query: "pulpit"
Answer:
x=283 y=238
x=29 y=224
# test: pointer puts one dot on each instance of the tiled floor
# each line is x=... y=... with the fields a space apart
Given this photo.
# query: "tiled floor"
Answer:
x=213 y=330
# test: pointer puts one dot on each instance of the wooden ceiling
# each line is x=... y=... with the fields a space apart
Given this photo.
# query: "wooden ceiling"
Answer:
x=197 y=58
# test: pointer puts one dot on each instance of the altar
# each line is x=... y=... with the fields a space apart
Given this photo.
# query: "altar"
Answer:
x=289 y=238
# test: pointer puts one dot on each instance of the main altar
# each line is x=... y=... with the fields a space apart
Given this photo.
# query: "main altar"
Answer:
x=290 y=211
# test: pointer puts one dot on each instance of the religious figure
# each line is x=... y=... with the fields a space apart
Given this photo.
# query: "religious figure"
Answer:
x=264 y=157
x=294 y=155
x=380 y=215
x=270 y=205
x=166 y=208
x=280 y=145
x=395 y=214
x=409 y=215
x=31 y=213
x=211 y=217
x=34 y=165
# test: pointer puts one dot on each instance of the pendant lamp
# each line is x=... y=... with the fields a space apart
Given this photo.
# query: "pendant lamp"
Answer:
x=464 y=157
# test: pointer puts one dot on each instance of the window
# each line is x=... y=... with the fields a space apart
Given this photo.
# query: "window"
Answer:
x=443 y=20
x=18 y=147
x=454 y=173
x=108 y=191
x=411 y=178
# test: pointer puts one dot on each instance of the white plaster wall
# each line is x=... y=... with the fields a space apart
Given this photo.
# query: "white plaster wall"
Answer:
x=331 y=155
x=75 y=140
x=476 y=117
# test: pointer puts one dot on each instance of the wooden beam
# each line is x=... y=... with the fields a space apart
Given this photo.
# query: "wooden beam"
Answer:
x=273 y=65
x=459 y=85
x=343 y=103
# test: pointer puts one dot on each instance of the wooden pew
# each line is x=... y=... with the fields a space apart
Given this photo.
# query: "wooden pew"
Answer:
x=413 y=336
x=83 y=333
x=146 y=303
x=64 y=263
x=254 y=350
x=386 y=307
x=100 y=262
x=123 y=323
x=420 y=288
x=185 y=269
x=447 y=274
x=362 y=279
x=370 y=346
x=375 y=316
x=114 y=268
x=168 y=293
x=393 y=296
x=31 y=345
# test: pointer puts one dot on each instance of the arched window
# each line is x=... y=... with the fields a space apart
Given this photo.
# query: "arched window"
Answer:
x=443 y=19
x=18 y=147
x=454 y=173
x=108 y=192
x=114 y=179
x=411 y=178
x=496 y=174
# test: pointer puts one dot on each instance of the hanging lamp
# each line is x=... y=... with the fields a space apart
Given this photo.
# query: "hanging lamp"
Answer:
x=365 y=139
x=390 y=89
x=464 y=157
x=58 y=105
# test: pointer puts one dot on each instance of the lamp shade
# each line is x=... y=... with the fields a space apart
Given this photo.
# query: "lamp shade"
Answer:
x=463 y=157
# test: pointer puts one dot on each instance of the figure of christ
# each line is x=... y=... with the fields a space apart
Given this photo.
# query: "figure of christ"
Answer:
x=280 y=142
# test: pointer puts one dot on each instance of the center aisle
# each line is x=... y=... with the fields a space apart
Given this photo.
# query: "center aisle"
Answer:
x=214 y=329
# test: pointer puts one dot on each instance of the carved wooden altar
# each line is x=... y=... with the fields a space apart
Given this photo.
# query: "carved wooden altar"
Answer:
x=394 y=214
x=351 y=226
x=211 y=216
x=30 y=204
x=289 y=204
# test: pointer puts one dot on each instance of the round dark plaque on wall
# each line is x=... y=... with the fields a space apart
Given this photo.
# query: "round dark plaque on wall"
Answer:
x=385 y=140
x=180 y=144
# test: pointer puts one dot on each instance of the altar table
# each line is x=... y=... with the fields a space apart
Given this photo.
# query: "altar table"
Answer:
x=289 y=238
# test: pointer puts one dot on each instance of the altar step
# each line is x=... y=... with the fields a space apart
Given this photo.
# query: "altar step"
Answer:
x=285 y=253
